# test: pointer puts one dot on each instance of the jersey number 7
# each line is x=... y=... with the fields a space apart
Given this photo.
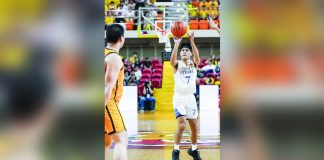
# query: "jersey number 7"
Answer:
x=188 y=77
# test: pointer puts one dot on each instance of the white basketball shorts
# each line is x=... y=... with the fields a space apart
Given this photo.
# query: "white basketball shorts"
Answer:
x=185 y=105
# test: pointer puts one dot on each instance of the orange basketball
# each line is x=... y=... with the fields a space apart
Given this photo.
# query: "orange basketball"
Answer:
x=178 y=29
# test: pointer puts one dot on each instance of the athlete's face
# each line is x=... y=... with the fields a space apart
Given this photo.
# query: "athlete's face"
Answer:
x=185 y=53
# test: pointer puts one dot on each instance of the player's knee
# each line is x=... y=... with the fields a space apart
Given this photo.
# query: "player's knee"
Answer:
x=108 y=141
x=182 y=125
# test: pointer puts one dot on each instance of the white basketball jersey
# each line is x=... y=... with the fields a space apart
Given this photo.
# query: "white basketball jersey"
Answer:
x=185 y=79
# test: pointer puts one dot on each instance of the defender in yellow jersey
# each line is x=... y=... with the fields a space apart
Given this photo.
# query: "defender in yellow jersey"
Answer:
x=114 y=122
x=114 y=77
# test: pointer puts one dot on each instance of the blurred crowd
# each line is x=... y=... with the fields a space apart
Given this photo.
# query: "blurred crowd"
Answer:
x=126 y=11
x=208 y=71
x=202 y=9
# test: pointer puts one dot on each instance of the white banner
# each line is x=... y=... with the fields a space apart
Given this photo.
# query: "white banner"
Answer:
x=209 y=110
x=128 y=109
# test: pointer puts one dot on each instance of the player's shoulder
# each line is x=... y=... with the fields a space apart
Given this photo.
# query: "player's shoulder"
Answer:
x=111 y=55
x=114 y=59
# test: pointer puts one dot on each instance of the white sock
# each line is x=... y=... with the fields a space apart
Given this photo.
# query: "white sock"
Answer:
x=194 y=147
x=176 y=147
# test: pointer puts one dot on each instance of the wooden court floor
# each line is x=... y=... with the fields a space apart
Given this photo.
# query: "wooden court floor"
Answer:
x=154 y=140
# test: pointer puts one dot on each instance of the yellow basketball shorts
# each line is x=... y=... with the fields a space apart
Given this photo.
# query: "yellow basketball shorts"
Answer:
x=114 y=122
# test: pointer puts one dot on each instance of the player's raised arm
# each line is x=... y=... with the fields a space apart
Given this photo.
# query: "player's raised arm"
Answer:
x=173 y=59
x=194 y=48
x=213 y=25
x=113 y=65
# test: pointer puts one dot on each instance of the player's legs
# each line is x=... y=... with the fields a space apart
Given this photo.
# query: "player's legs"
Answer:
x=116 y=131
x=193 y=151
x=192 y=115
x=108 y=142
x=193 y=128
x=121 y=142
x=181 y=127
x=178 y=136
x=108 y=128
x=180 y=113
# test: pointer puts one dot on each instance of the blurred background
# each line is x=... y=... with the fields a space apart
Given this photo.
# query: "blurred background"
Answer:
x=51 y=89
x=272 y=79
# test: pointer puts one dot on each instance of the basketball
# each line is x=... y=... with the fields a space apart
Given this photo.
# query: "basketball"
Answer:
x=178 y=29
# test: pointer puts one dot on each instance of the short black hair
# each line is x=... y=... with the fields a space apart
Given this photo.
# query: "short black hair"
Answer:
x=114 y=32
x=186 y=45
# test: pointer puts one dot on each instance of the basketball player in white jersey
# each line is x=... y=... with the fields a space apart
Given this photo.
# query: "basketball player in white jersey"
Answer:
x=184 y=102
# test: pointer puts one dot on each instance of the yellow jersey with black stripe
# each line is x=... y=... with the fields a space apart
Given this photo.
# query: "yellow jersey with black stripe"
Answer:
x=118 y=88
x=114 y=122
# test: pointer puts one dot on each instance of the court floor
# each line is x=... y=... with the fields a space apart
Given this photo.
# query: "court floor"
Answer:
x=154 y=139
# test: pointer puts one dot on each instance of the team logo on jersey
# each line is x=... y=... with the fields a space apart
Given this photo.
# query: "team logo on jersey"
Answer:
x=186 y=70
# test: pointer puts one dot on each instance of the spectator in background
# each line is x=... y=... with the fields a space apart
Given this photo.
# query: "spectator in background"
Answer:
x=209 y=80
x=137 y=72
x=125 y=6
x=139 y=3
x=147 y=96
x=213 y=59
x=147 y=24
x=204 y=3
x=129 y=14
x=125 y=62
x=217 y=70
x=132 y=58
x=112 y=7
x=132 y=81
x=217 y=80
x=213 y=2
x=106 y=8
x=213 y=11
x=110 y=19
x=137 y=63
x=151 y=2
x=119 y=14
x=200 y=73
x=193 y=11
x=209 y=68
x=152 y=14
x=132 y=4
x=195 y=3
x=147 y=63
x=203 y=12
x=116 y=2
x=126 y=78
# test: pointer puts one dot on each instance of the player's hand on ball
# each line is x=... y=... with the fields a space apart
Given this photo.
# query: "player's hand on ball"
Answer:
x=177 y=40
